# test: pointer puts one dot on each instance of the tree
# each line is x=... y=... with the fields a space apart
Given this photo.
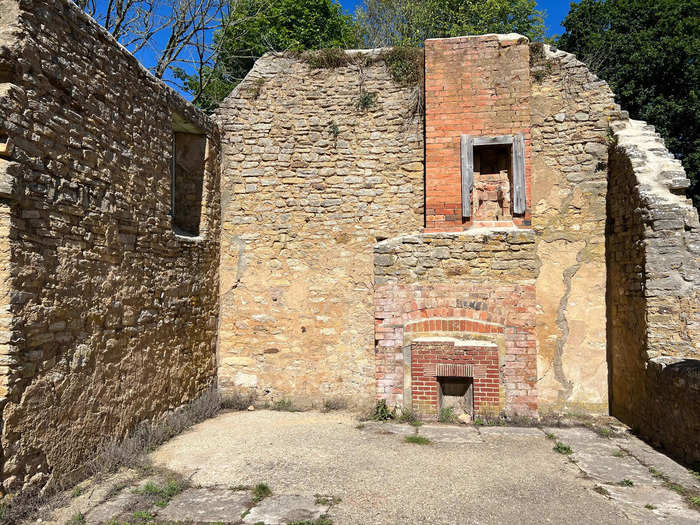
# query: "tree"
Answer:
x=170 y=31
x=384 y=23
x=648 y=52
x=254 y=27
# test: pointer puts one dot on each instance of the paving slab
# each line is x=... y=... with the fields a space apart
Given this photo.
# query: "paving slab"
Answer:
x=113 y=508
x=650 y=457
x=606 y=468
x=569 y=435
x=282 y=509
x=450 y=434
x=385 y=427
x=669 y=506
x=510 y=431
x=206 y=505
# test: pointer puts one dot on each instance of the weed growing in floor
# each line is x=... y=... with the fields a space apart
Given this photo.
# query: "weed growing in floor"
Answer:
x=694 y=501
x=284 y=405
x=162 y=494
x=478 y=421
x=237 y=400
x=143 y=516
x=408 y=415
x=549 y=435
x=336 y=403
x=626 y=483
x=604 y=432
x=417 y=440
x=561 y=448
x=656 y=473
x=77 y=491
x=447 y=415
x=260 y=492
x=382 y=412
x=619 y=453
x=77 y=519
x=650 y=506
x=675 y=487
x=601 y=490
x=326 y=500
x=360 y=426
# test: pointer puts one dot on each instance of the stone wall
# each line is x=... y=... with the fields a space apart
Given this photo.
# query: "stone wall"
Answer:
x=653 y=249
x=113 y=314
x=318 y=165
x=478 y=284
x=571 y=115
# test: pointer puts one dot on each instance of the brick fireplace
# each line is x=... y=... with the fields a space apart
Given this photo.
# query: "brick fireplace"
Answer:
x=444 y=369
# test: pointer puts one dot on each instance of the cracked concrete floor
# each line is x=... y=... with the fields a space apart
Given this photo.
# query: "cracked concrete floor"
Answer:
x=465 y=475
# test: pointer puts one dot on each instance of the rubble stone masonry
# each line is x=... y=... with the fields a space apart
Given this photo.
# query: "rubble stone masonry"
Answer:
x=653 y=253
x=572 y=111
x=112 y=316
x=318 y=165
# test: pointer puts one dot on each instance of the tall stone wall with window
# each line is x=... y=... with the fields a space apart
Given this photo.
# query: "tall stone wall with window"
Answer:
x=112 y=316
x=319 y=164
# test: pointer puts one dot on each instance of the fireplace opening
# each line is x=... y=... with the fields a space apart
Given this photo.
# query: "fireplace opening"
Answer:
x=457 y=393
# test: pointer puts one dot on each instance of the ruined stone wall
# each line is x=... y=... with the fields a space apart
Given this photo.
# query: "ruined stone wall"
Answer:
x=473 y=285
x=571 y=115
x=113 y=315
x=318 y=165
x=653 y=254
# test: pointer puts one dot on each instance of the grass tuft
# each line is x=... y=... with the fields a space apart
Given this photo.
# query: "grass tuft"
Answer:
x=447 y=415
x=260 y=492
x=626 y=483
x=417 y=440
x=601 y=490
x=561 y=448
x=650 y=506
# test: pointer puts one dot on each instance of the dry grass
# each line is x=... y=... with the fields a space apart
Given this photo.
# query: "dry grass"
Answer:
x=114 y=454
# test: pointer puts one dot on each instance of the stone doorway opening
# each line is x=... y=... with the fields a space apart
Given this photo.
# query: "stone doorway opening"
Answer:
x=456 y=393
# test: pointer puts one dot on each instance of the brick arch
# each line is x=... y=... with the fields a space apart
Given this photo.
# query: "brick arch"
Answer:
x=506 y=310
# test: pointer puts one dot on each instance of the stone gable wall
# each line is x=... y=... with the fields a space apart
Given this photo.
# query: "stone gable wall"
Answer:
x=311 y=181
x=113 y=316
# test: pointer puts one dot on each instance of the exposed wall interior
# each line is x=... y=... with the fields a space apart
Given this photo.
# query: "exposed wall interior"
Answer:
x=112 y=315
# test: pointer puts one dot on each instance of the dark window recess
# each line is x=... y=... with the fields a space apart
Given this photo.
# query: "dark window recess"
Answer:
x=493 y=177
x=187 y=178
